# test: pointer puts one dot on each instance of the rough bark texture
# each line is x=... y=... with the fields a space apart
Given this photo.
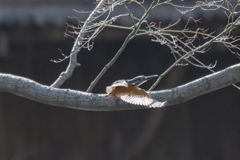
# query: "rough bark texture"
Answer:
x=96 y=102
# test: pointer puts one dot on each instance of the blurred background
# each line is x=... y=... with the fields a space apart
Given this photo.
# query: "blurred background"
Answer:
x=31 y=34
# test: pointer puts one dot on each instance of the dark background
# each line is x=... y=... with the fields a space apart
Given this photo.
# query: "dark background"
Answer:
x=204 y=128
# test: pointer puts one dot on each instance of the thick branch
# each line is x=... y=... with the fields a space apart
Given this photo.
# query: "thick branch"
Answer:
x=96 y=102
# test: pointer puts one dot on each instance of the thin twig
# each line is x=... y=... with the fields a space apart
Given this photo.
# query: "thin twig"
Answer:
x=191 y=52
x=129 y=37
x=129 y=13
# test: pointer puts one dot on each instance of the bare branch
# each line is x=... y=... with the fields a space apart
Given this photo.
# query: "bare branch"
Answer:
x=192 y=51
x=129 y=37
x=77 y=47
x=96 y=102
x=185 y=38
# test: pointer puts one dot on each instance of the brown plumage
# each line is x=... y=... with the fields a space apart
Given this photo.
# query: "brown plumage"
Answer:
x=129 y=92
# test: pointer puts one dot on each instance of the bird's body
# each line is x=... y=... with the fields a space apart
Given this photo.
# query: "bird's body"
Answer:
x=129 y=91
x=118 y=89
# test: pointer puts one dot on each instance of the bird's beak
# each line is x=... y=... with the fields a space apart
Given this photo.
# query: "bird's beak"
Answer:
x=146 y=78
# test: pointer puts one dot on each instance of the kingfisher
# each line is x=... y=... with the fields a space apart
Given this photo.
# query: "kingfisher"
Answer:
x=129 y=91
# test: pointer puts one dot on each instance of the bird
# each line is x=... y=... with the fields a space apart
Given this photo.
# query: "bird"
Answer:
x=129 y=91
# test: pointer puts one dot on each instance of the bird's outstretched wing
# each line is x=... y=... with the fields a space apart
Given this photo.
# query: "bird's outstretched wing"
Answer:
x=139 y=97
x=118 y=83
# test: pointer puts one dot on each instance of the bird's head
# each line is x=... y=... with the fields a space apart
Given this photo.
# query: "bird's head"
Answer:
x=139 y=80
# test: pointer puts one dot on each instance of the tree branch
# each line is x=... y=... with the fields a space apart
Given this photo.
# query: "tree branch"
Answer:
x=126 y=41
x=192 y=51
x=96 y=102
x=77 y=47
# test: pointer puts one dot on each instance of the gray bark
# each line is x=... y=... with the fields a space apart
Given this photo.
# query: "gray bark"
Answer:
x=96 y=102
